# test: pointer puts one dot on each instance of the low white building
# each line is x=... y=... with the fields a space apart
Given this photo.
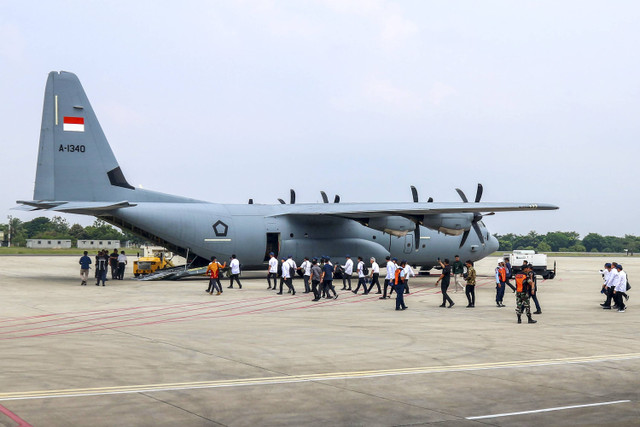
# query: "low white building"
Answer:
x=49 y=243
x=99 y=244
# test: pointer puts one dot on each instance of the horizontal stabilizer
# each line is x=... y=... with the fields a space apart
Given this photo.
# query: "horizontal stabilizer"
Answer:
x=86 y=208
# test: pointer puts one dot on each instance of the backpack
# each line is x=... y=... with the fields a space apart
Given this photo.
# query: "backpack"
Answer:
x=365 y=270
x=338 y=272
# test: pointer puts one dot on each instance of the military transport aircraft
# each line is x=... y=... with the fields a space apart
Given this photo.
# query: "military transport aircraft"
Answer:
x=78 y=173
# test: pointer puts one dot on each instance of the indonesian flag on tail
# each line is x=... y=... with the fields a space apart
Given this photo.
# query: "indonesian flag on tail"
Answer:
x=73 y=124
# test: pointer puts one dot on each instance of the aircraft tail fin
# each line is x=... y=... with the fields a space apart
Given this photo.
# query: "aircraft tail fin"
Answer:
x=75 y=161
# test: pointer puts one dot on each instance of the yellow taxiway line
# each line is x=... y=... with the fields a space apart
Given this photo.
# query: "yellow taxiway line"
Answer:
x=332 y=376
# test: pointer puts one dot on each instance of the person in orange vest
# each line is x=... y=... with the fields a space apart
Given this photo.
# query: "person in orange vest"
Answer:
x=213 y=270
x=398 y=283
x=524 y=288
x=501 y=279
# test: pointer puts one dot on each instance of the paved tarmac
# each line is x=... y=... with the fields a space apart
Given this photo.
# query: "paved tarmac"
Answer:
x=166 y=353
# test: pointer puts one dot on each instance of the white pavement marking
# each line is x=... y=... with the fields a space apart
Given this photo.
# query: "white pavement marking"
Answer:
x=289 y=379
x=559 y=408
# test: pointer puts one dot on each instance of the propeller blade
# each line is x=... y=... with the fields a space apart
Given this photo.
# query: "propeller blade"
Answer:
x=282 y=201
x=293 y=196
x=414 y=193
x=336 y=199
x=325 y=199
x=479 y=193
x=476 y=227
x=430 y=200
x=250 y=201
x=462 y=196
x=416 y=235
x=464 y=238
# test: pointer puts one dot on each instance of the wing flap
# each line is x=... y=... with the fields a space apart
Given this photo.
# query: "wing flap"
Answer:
x=375 y=210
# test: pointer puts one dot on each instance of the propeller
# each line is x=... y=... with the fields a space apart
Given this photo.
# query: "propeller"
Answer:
x=418 y=220
x=325 y=199
x=250 y=201
x=476 y=216
x=282 y=201
x=414 y=193
x=292 y=196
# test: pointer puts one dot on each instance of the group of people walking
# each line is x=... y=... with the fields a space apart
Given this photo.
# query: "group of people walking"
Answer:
x=104 y=260
x=615 y=287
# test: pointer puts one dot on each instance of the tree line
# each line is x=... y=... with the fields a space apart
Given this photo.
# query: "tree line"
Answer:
x=59 y=228
x=568 y=241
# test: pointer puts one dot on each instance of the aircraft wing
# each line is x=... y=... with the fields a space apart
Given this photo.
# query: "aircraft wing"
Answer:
x=373 y=210
x=86 y=208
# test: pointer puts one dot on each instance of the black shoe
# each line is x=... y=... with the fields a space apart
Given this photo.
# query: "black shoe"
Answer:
x=229 y=287
x=405 y=307
x=469 y=306
x=537 y=312
x=354 y=292
x=239 y=286
x=348 y=289
x=606 y=308
x=519 y=319
x=451 y=305
x=603 y=305
x=294 y=292
x=269 y=287
x=443 y=306
x=336 y=296
x=103 y=284
x=316 y=299
x=343 y=289
x=366 y=293
x=279 y=293
x=378 y=292
x=532 y=321
x=382 y=298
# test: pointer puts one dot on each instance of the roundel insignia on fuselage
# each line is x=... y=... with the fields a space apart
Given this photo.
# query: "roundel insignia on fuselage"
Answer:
x=220 y=228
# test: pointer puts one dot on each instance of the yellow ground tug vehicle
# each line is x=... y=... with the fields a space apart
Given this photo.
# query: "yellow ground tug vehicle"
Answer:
x=154 y=258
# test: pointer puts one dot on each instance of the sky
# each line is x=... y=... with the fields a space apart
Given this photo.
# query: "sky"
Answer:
x=229 y=100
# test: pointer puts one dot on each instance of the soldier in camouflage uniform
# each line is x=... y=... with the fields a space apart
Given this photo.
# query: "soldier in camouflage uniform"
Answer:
x=524 y=286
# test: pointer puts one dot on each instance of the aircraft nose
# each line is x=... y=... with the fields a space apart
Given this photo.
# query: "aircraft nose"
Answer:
x=492 y=245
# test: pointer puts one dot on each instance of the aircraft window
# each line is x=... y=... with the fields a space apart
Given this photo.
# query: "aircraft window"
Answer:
x=423 y=245
x=408 y=245
x=374 y=237
x=291 y=235
x=306 y=235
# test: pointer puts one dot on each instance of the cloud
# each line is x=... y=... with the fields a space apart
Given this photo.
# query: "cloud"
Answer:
x=379 y=95
x=12 y=44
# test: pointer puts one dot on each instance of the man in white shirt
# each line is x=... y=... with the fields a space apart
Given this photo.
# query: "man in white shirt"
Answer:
x=388 y=279
x=235 y=271
x=620 y=289
x=361 y=277
x=408 y=272
x=610 y=283
x=374 y=274
x=306 y=270
x=272 y=271
x=348 y=271
x=288 y=270
x=122 y=262
x=292 y=271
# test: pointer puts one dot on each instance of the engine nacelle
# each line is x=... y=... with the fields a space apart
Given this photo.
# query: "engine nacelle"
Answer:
x=452 y=224
x=394 y=225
